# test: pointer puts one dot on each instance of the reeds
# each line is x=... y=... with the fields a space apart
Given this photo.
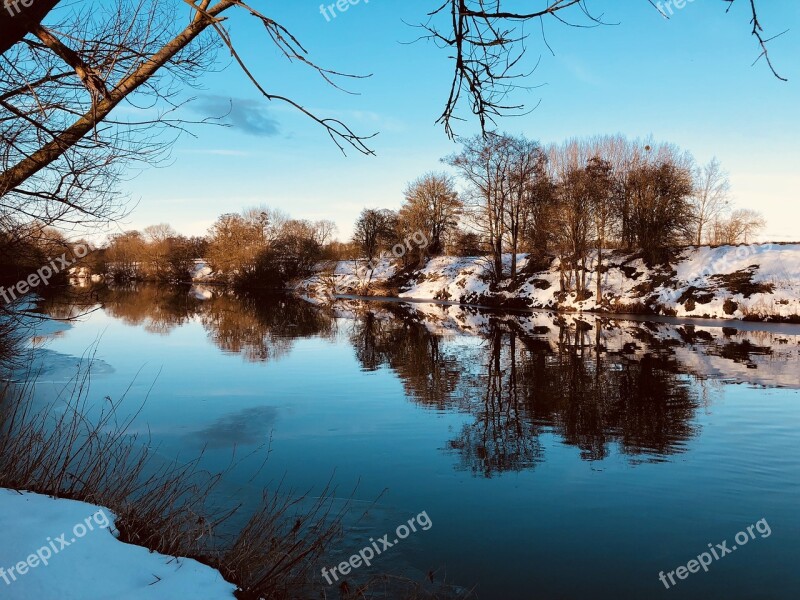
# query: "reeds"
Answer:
x=75 y=449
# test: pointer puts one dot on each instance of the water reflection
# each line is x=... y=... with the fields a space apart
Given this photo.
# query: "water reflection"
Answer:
x=455 y=411
x=262 y=329
x=600 y=385
x=248 y=427
x=519 y=386
x=597 y=383
x=259 y=329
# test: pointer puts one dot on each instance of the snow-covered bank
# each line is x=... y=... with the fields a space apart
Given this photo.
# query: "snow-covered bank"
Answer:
x=86 y=562
x=756 y=282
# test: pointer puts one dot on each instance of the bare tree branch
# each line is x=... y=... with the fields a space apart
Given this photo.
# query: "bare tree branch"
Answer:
x=488 y=46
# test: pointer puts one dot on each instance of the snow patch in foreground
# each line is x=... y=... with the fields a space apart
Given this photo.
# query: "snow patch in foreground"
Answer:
x=96 y=566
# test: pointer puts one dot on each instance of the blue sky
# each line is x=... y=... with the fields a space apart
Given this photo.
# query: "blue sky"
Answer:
x=687 y=80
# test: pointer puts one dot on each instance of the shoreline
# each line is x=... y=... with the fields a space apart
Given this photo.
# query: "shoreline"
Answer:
x=116 y=568
x=741 y=325
x=726 y=283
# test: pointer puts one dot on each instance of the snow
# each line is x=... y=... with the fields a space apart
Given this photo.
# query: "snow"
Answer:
x=347 y=277
x=201 y=271
x=701 y=282
x=201 y=292
x=96 y=566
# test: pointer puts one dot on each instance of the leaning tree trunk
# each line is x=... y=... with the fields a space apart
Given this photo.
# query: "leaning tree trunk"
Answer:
x=17 y=20
x=53 y=150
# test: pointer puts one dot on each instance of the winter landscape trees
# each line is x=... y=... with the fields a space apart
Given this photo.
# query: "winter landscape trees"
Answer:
x=70 y=69
x=578 y=199
x=576 y=202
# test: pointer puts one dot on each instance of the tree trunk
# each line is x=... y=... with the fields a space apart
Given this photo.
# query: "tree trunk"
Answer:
x=53 y=150
x=498 y=259
x=514 y=240
x=599 y=298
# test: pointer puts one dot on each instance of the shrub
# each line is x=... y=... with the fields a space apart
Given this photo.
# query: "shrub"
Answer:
x=730 y=307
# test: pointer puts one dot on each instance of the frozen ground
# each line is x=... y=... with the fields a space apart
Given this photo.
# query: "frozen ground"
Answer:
x=756 y=282
x=93 y=565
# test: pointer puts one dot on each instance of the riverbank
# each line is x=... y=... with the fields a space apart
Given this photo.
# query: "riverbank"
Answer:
x=751 y=283
x=54 y=546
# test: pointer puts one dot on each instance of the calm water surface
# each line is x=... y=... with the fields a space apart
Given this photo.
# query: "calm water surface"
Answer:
x=558 y=457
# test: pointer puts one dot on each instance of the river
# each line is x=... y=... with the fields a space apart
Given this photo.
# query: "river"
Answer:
x=556 y=456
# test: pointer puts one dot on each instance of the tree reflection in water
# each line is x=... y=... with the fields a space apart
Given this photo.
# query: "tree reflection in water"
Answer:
x=260 y=329
x=598 y=384
x=519 y=387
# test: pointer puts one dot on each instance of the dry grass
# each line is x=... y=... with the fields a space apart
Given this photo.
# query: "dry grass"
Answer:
x=80 y=449
x=74 y=449
x=10 y=339
x=277 y=553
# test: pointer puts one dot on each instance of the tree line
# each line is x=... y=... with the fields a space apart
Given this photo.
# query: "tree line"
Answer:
x=78 y=83
x=573 y=201
x=68 y=70
x=26 y=248
x=258 y=247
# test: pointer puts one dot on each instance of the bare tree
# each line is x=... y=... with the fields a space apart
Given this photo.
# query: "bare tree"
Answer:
x=571 y=219
x=738 y=228
x=525 y=171
x=711 y=196
x=270 y=222
x=484 y=162
x=157 y=251
x=432 y=206
x=235 y=242
x=487 y=43
x=624 y=156
x=62 y=83
x=602 y=189
x=661 y=212
x=373 y=230
x=125 y=255
x=156 y=234
x=324 y=230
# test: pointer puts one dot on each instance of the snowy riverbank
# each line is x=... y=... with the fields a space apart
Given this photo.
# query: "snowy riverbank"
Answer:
x=53 y=548
x=756 y=282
